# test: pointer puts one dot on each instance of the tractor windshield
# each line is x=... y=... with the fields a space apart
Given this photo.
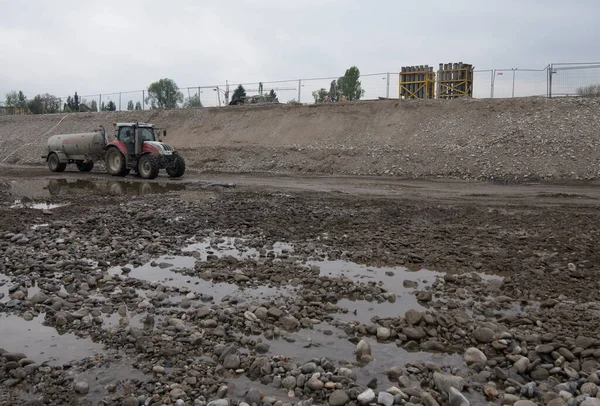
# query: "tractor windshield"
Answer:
x=146 y=134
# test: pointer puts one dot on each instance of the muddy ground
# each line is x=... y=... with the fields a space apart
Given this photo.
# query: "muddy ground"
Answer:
x=292 y=290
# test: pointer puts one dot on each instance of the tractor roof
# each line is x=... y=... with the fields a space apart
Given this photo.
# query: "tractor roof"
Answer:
x=133 y=124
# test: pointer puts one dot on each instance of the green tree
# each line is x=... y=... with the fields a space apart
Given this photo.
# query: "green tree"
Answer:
x=66 y=108
x=193 y=102
x=130 y=105
x=11 y=98
x=138 y=106
x=320 y=95
x=44 y=104
x=36 y=106
x=73 y=103
x=239 y=93
x=94 y=105
x=349 y=84
x=272 y=97
x=21 y=100
x=164 y=94
x=102 y=107
x=111 y=106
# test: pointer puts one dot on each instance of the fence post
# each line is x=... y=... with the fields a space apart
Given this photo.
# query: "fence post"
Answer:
x=550 y=72
x=143 y=99
x=492 y=83
x=513 y=84
x=100 y=103
x=120 y=101
x=299 y=90
x=387 y=86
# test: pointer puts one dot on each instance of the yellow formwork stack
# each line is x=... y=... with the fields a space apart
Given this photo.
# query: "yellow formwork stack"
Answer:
x=455 y=80
x=417 y=82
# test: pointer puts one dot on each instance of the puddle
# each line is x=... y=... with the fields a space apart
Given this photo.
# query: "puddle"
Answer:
x=42 y=343
x=116 y=373
x=363 y=311
x=168 y=272
x=229 y=246
x=66 y=187
x=325 y=340
x=18 y=204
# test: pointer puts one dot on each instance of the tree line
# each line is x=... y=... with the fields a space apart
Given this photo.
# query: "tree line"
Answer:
x=165 y=94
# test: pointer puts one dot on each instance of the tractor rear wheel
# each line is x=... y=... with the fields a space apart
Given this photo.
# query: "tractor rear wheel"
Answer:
x=148 y=167
x=85 y=166
x=177 y=167
x=115 y=162
x=54 y=163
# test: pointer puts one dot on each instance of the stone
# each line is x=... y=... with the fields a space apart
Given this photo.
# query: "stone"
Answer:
x=308 y=368
x=540 y=374
x=366 y=397
x=414 y=333
x=584 y=342
x=590 y=402
x=177 y=393
x=39 y=298
x=474 y=356
x=289 y=323
x=347 y=373
x=338 y=398
x=81 y=387
x=544 y=348
x=483 y=334
x=262 y=348
x=60 y=320
x=385 y=399
x=362 y=348
x=443 y=382
x=314 y=384
x=253 y=397
x=524 y=402
x=413 y=317
x=522 y=364
x=383 y=333
x=510 y=399
x=130 y=401
x=262 y=313
x=556 y=402
x=219 y=402
x=231 y=361
x=457 y=399
x=122 y=310
x=289 y=382
x=275 y=312
x=394 y=373
x=157 y=369
x=428 y=400
x=28 y=316
x=589 y=388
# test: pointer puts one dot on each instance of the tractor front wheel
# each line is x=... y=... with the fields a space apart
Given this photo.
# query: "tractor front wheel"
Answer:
x=177 y=168
x=148 y=167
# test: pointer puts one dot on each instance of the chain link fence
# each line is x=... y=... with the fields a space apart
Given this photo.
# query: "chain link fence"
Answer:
x=555 y=80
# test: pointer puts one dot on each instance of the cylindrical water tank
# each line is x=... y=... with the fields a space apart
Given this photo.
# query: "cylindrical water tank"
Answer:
x=91 y=144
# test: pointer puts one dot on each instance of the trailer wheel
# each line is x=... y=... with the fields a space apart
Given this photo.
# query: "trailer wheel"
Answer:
x=177 y=167
x=115 y=163
x=85 y=166
x=54 y=163
x=148 y=167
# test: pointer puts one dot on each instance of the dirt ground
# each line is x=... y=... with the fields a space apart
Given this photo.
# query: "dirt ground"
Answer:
x=471 y=292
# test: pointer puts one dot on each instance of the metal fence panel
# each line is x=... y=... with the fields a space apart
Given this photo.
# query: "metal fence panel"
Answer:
x=570 y=79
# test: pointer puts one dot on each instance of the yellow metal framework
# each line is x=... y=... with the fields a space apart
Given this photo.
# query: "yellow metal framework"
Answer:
x=411 y=88
x=454 y=83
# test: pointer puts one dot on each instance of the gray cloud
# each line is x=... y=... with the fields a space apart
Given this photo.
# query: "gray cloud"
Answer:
x=63 y=46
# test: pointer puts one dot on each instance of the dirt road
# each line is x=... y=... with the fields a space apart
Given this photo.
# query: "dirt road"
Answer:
x=344 y=290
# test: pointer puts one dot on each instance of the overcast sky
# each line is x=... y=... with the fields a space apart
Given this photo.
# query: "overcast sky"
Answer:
x=62 y=46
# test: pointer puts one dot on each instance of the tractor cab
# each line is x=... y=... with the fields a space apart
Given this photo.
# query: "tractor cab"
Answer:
x=135 y=135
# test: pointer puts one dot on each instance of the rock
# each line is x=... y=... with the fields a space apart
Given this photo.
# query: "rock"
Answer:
x=347 y=373
x=428 y=400
x=540 y=374
x=522 y=364
x=414 y=333
x=14 y=356
x=556 y=402
x=219 y=402
x=524 y=403
x=289 y=382
x=81 y=387
x=122 y=310
x=262 y=313
x=262 y=348
x=584 y=342
x=589 y=388
x=443 y=382
x=289 y=323
x=366 y=397
x=60 y=320
x=394 y=373
x=308 y=368
x=483 y=334
x=457 y=399
x=383 y=333
x=231 y=361
x=253 y=397
x=314 y=384
x=130 y=401
x=338 y=398
x=413 y=317
x=407 y=283
x=590 y=402
x=177 y=393
x=222 y=391
x=275 y=312
x=544 y=348
x=474 y=356
x=157 y=369
x=509 y=399
x=362 y=348
x=385 y=399
x=39 y=298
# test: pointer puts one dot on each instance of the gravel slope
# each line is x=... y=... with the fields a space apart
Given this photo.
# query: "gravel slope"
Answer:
x=530 y=138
